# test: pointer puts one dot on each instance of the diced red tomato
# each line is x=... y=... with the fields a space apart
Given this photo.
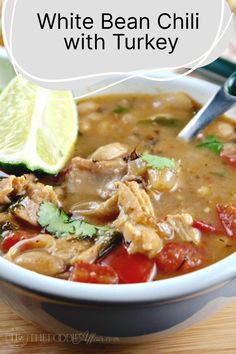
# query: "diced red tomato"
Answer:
x=178 y=256
x=135 y=268
x=14 y=237
x=228 y=154
x=93 y=273
x=204 y=227
x=227 y=216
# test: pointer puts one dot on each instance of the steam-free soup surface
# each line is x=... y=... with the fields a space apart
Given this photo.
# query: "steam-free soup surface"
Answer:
x=169 y=206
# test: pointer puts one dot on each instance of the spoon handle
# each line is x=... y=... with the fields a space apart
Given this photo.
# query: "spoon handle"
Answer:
x=218 y=105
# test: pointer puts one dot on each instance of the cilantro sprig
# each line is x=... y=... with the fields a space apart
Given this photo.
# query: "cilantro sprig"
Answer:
x=55 y=221
x=158 y=162
x=211 y=143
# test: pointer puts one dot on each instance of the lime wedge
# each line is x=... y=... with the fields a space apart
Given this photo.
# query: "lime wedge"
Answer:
x=38 y=127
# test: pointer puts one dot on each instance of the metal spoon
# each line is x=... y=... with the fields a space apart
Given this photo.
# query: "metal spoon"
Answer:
x=224 y=99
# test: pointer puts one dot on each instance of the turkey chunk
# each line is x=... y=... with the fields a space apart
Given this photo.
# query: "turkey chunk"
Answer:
x=106 y=210
x=136 y=220
x=27 y=211
x=34 y=194
x=97 y=178
x=13 y=186
x=182 y=227
x=40 y=192
x=133 y=199
x=10 y=187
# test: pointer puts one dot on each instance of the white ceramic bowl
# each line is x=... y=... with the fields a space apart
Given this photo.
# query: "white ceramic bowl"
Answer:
x=130 y=312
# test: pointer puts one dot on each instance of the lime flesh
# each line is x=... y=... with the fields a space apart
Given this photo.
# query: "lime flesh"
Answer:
x=38 y=127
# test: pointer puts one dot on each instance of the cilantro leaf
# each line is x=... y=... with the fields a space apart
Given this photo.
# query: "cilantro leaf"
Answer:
x=166 y=122
x=120 y=109
x=219 y=173
x=211 y=143
x=158 y=162
x=57 y=222
x=163 y=121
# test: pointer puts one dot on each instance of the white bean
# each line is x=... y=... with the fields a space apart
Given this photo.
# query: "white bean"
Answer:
x=87 y=107
x=41 y=262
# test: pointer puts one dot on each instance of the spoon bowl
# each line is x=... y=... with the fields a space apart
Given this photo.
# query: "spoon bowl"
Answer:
x=223 y=100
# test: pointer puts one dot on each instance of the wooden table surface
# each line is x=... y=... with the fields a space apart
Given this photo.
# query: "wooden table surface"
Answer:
x=217 y=335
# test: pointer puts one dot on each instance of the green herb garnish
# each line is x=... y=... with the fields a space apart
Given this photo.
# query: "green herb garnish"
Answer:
x=166 y=122
x=120 y=109
x=162 y=121
x=211 y=143
x=57 y=222
x=158 y=162
x=219 y=173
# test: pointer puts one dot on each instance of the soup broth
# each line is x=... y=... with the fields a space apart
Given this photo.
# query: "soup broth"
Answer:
x=165 y=206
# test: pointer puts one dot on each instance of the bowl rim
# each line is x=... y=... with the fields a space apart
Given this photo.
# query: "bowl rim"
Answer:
x=166 y=290
x=169 y=289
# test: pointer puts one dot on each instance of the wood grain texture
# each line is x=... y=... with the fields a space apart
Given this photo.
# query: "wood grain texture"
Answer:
x=217 y=335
